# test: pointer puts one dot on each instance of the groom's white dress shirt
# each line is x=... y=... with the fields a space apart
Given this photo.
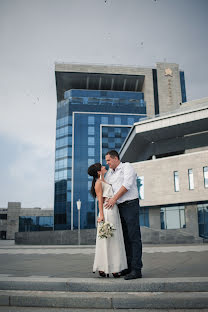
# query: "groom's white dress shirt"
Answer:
x=123 y=175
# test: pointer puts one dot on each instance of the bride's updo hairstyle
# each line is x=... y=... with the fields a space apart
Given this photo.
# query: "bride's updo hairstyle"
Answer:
x=93 y=172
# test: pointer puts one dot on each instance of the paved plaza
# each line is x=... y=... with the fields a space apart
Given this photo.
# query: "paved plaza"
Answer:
x=160 y=261
x=60 y=278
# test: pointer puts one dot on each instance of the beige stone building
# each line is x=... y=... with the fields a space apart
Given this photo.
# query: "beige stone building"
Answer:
x=170 y=155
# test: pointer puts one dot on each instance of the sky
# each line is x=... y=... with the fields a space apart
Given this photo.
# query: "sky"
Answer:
x=35 y=34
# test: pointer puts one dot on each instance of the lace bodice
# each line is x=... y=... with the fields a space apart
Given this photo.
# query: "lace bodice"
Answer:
x=107 y=190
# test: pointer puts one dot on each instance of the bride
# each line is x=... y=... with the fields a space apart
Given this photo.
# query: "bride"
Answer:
x=110 y=255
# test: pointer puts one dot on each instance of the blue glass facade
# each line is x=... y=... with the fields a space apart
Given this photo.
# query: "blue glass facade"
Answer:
x=89 y=123
x=29 y=224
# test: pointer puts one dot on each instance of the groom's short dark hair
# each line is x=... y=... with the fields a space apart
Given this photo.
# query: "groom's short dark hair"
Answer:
x=113 y=154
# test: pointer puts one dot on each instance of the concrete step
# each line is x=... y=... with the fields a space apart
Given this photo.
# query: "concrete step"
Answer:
x=50 y=309
x=191 y=284
x=105 y=300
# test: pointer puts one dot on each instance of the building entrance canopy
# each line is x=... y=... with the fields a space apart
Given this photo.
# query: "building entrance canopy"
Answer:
x=168 y=129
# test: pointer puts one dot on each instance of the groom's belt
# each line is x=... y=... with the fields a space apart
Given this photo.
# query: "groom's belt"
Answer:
x=128 y=202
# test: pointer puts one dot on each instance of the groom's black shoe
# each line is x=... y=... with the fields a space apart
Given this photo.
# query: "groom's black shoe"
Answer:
x=125 y=272
x=133 y=275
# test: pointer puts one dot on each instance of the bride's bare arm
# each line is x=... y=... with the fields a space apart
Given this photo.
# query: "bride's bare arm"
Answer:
x=99 y=194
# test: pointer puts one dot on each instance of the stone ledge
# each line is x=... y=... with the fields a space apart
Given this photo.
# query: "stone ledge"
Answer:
x=153 y=300
x=192 y=284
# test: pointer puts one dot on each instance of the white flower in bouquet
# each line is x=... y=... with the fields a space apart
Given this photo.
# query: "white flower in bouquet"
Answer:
x=105 y=230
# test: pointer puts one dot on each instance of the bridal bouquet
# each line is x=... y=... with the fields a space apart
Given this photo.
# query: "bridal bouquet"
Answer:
x=105 y=230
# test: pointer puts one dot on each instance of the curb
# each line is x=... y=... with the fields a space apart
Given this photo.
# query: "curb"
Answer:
x=105 y=300
x=192 y=284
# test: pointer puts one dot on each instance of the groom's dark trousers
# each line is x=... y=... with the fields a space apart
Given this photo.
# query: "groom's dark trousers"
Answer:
x=129 y=214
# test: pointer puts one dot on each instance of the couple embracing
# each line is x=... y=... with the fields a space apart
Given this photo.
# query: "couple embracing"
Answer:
x=117 y=194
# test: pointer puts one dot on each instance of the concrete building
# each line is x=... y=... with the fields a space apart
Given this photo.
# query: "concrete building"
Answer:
x=170 y=155
x=97 y=106
x=16 y=219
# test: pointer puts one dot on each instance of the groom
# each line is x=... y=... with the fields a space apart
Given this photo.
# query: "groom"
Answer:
x=122 y=177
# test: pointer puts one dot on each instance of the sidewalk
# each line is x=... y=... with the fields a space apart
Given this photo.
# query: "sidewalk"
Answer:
x=49 y=277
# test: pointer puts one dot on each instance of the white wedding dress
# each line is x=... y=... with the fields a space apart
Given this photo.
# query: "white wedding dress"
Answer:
x=110 y=255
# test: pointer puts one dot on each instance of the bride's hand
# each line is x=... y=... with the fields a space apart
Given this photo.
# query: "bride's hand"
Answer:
x=100 y=219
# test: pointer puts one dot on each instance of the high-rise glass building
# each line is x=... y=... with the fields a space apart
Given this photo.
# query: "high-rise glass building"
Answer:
x=96 y=108
x=89 y=123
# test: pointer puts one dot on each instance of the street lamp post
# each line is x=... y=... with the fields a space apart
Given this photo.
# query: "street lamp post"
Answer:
x=78 y=208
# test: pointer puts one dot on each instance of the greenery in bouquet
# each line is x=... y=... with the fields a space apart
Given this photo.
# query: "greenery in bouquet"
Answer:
x=105 y=229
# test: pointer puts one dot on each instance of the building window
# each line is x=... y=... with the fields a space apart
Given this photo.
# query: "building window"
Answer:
x=111 y=145
x=191 y=179
x=176 y=181
x=69 y=140
x=172 y=217
x=69 y=173
x=111 y=134
x=64 y=121
x=118 y=132
x=64 y=141
x=91 y=141
x=69 y=119
x=205 y=170
x=91 y=120
x=140 y=185
x=69 y=162
x=63 y=131
x=124 y=132
x=117 y=120
x=2 y=234
x=68 y=185
x=91 y=151
x=69 y=150
x=130 y=121
x=203 y=220
x=104 y=120
x=89 y=185
x=60 y=164
x=144 y=216
x=118 y=140
x=90 y=198
x=104 y=131
x=61 y=152
x=40 y=223
x=61 y=142
x=3 y=216
x=68 y=196
x=91 y=161
x=60 y=175
x=91 y=130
